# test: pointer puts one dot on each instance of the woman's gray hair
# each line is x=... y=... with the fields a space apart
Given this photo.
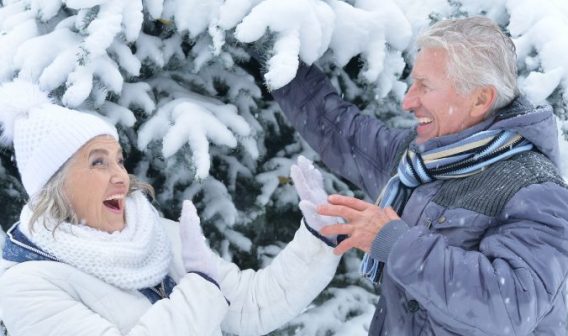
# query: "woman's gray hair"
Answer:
x=479 y=54
x=51 y=199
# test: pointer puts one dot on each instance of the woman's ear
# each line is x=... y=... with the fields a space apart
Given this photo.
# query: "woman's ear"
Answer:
x=483 y=101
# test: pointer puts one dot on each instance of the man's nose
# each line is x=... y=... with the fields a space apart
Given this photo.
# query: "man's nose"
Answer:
x=410 y=100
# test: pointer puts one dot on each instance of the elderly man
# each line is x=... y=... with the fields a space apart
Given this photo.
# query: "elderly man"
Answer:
x=469 y=235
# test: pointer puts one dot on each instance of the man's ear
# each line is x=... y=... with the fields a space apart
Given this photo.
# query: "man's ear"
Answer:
x=483 y=101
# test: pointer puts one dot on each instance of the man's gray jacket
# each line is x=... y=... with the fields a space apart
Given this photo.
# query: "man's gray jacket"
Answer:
x=482 y=255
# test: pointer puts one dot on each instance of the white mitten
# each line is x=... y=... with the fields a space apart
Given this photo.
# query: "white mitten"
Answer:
x=196 y=255
x=308 y=182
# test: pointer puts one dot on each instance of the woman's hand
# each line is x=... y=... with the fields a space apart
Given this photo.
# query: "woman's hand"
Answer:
x=196 y=255
x=308 y=182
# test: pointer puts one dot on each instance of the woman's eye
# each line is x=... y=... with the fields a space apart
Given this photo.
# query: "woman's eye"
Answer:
x=97 y=162
x=121 y=162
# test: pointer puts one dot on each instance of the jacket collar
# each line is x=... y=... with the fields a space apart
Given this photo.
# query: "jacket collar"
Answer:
x=19 y=248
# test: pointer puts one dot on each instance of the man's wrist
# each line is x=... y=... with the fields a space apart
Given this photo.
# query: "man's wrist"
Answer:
x=385 y=239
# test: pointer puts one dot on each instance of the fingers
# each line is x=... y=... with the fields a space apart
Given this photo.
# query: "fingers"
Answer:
x=313 y=219
x=337 y=229
x=308 y=181
x=308 y=208
x=299 y=182
x=190 y=224
x=359 y=240
x=188 y=212
x=338 y=211
x=350 y=202
x=312 y=175
x=304 y=163
x=391 y=214
x=344 y=246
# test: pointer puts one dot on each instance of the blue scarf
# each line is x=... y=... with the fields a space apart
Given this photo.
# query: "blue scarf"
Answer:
x=461 y=159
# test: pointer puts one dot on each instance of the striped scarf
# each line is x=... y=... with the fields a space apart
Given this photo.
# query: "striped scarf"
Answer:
x=463 y=158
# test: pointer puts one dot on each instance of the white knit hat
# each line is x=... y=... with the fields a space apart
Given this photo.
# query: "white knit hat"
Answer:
x=45 y=135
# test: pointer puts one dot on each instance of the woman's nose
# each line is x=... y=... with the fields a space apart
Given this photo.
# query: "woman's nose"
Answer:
x=119 y=174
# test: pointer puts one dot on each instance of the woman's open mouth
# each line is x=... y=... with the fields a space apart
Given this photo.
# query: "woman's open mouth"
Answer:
x=114 y=203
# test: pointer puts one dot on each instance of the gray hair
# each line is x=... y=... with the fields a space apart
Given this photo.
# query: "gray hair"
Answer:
x=479 y=53
x=53 y=201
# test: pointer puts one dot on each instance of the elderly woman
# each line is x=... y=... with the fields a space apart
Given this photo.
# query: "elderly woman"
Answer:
x=91 y=255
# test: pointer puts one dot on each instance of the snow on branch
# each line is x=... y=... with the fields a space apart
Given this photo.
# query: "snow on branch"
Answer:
x=76 y=53
x=308 y=28
x=189 y=118
x=302 y=27
x=541 y=30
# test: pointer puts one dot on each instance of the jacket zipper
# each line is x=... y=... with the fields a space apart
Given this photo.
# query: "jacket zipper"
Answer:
x=160 y=290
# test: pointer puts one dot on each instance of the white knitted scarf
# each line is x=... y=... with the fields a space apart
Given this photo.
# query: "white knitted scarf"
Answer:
x=136 y=257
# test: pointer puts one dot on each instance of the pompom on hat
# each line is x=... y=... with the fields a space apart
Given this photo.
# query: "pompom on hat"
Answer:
x=45 y=135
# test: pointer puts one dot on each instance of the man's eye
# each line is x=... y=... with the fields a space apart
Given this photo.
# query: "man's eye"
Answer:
x=121 y=162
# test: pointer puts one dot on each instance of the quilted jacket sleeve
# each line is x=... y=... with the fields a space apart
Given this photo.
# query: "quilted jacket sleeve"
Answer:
x=264 y=300
x=356 y=146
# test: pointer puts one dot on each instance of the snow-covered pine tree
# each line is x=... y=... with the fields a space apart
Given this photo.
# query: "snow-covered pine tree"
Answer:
x=195 y=116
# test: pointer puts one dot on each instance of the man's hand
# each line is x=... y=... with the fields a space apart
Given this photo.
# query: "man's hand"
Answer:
x=364 y=221
x=196 y=255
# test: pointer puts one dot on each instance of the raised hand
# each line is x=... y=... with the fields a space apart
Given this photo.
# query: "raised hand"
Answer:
x=196 y=255
x=363 y=221
x=308 y=182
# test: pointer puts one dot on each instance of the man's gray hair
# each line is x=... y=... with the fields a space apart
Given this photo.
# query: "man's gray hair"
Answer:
x=53 y=201
x=479 y=54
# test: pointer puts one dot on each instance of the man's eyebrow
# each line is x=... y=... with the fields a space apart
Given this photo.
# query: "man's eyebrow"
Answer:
x=415 y=76
x=422 y=80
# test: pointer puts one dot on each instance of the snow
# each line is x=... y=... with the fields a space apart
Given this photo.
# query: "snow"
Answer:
x=11 y=40
x=366 y=29
x=125 y=59
x=542 y=29
x=175 y=77
x=233 y=11
x=137 y=95
x=132 y=18
x=45 y=9
x=302 y=27
x=34 y=55
x=117 y=114
x=150 y=48
x=195 y=120
x=154 y=8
